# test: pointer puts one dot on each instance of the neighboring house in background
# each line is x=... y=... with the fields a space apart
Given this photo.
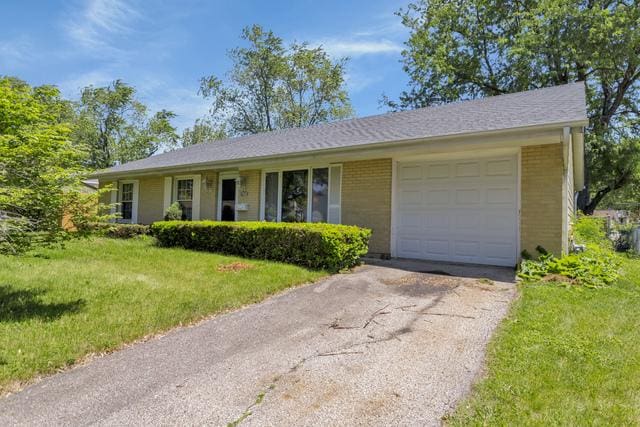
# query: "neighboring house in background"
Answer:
x=475 y=181
x=87 y=186
x=617 y=215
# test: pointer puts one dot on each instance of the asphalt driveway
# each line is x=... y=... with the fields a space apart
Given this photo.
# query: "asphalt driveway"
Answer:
x=383 y=345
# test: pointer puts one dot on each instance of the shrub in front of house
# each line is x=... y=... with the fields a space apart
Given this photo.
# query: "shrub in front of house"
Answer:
x=319 y=246
x=118 y=231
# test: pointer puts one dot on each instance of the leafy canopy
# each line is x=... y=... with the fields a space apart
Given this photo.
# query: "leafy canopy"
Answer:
x=273 y=87
x=39 y=165
x=473 y=48
x=115 y=127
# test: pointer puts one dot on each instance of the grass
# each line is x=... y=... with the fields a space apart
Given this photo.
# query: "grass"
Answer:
x=564 y=356
x=59 y=305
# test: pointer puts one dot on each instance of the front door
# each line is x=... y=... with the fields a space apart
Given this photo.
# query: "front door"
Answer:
x=228 y=212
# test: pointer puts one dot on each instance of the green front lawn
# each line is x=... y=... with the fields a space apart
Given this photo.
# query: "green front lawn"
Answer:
x=60 y=305
x=565 y=356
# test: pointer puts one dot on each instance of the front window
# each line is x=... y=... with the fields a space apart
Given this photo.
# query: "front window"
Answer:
x=126 y=202
x=320 y=191
x=184 y=196
x=271 y=189
x=294 y=195
x=302 y=195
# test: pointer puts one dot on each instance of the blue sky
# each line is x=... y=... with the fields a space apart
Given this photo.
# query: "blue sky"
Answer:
x=164 y=47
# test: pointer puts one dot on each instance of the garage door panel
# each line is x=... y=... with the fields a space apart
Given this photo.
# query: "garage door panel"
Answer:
x=498 y=250
x=500 y=167
x=459 y=210
x=437 y=170
x=411 y=172
x=501 y=196
x=467 y=221
x=437 y=198
x=503 y=223
x=467 y=169
x=410 y=246
x=436 y=247
x=468 y=196
x=411 y=197
x=466 y=248
x=411 y=221
x=436 y=221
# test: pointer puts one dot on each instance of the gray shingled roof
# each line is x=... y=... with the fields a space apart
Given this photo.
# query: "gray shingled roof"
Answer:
x=555 y=105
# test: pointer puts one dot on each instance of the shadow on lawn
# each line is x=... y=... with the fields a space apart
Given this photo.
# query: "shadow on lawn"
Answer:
x=23 y=304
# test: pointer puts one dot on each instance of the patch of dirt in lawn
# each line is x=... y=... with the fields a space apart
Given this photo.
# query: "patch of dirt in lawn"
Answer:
x=234 y=267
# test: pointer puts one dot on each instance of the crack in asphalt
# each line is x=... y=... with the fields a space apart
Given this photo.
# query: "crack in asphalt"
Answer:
x=346 y=349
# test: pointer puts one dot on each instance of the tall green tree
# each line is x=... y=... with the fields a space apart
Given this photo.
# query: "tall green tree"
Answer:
x=39 y=164
x=273 y=86
x=473 y=48
x=201 y=131
x=115 y=127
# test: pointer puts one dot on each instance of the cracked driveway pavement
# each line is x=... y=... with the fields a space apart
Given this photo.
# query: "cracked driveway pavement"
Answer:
x=382 y=345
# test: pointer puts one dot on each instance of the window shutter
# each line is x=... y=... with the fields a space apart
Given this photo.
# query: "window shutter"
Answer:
x=335 y=189
x=134 y=204
x=195 y=213
x=168 y=187
x=114 y=199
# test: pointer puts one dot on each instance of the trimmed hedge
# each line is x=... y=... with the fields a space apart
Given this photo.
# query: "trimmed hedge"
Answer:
x=314 y=245
x=118 y=231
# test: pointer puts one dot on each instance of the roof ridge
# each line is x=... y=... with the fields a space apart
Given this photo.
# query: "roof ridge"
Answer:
x=390 y=113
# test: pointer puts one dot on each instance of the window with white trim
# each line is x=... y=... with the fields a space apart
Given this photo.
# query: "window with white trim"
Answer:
x=126 y=201
x=302 y=194
x=184 y=196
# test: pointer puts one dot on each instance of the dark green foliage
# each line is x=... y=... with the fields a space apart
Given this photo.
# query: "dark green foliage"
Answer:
x=466 y=49
x=119 y=231
x=320 y=246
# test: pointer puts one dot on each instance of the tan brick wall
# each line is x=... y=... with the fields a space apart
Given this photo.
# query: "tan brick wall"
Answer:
x=250 y=195
x=366 y=199
x=541 y=213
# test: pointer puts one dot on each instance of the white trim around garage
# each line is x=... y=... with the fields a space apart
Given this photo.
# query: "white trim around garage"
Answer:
x=513 y=153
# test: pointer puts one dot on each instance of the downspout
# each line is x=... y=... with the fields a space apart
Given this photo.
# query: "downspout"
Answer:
x=566 y=147
x=577 y=135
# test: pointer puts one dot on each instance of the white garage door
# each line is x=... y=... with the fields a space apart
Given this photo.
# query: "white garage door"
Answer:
x=458 y=210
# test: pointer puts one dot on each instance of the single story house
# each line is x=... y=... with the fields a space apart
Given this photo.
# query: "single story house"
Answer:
x=476 y=181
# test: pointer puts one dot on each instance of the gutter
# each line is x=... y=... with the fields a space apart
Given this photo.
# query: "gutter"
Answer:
x=385 y=144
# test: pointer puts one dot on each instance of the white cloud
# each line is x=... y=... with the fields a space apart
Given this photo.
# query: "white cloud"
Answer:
x=354 y=47
x=184 y=102
x=99 y=23
x=357 y=81
x=15 y=53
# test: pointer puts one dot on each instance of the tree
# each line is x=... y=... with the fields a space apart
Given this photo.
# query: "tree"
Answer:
x=273 y=87
x=115 y=127
x=202 y=131
x=473 y=48
x=39 y=165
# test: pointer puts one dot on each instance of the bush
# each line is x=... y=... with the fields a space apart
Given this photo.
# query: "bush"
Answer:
x=118 y=231
x=588 y=229
x=173 y=213
x=320 y=246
